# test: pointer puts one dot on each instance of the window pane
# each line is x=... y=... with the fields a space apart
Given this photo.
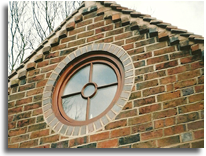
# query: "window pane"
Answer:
x=89 y=90
x=77 y=81
x=103 y=75
x=75 y=107
x=101 y=100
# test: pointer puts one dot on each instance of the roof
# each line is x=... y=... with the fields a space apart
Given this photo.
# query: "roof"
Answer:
x=142 y=22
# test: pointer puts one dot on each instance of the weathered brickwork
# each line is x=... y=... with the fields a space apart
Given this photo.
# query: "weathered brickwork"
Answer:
x=166 y=105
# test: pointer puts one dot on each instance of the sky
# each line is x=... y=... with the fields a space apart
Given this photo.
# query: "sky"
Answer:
x=188 y=15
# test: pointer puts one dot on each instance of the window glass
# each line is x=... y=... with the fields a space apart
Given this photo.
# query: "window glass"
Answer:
x=89 y=90
x=101 y=100
x=103 y=75
x=78 y=80
x=75 y=107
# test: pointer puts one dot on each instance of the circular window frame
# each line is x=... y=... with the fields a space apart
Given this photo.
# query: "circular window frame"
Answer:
x=65 y=128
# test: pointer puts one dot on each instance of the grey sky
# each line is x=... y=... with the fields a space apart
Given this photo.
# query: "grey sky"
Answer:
x=188 y=15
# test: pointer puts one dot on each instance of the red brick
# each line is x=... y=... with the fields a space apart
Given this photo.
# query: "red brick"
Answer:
x=157 y=59
x=186 y=83
x=123 y=36
x=48 y=68
x=144 y=42
x=32 y=106
x=188 y=75
x=31 y=66
x=16 y=96
x=108 y=144
x=37 y=112
x=126 y=114
x=15 y=110
x=135 y=38
x=114 y=32
x=144 y=70
x=27 y=87
x=156 y=46
x=164 y=50
x=127 y=106
x=13 y=146
x=33 y=72
x=128 y=46
x=201 y=80
x=148 y=144
x=103 y=29
x=59 y=47
x=85 y=34
x=70 y=26
x=199 y=134
x=168 y=79
x=29 y=144
x=196 y=125
x=22 y=116
x=90 y=15
x=43 y=146
x=36 y=78
x=99 y=136
x=49 y=139
x=151 y=135
x=120 y=132
x=52 y=55
x=174 y=130
x=146 y=84
x=142 y=127
x=144 y=101
x=174 y=103
x=164 y=122
x=142 y=56
x=78 y=141
x=96 y=37
x=197 y=65
x=192 y=107
x=198 y=144
x=83 y=23
x=196 y=97
x=39 y=133
x=35 y=91
x=67 y=39
x=25 y=122
x=154 y=75
x=187 y=117
x=149 y=109
x=180 y=54
x=166 y=65
x=168 y=96
x=154 y=90
x=177 y=70
x=36 y=127
x=116 y=124
x=136 y=51
x=18 y=131
x=190 y=59
x=139 y=119
x=116 y=17
x=19 y=138
x=76 y=31
x=199 y=88
x=11 y=125
x=135 y=95
x=168 y=141
x=98 y=18
x=95 y=25
x=165 y=113
x=24 y=101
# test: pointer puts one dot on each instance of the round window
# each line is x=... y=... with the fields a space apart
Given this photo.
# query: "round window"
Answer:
x=88 y=88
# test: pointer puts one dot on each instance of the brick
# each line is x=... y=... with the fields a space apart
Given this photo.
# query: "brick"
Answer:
x=164 y=122
x=138 y=78
x=94 y=38
x=90 y=15
x=174 y=130
x=198 y=144
x=22 y=74
x=116 y=17
x=36 y=78
x=16 y=132
x=166 y=65
x=165 y=113
x=58 y=47
x=156 y=46
x=68 y=51
x=154 y=75
x=157 y=59
x=142 y=56
x=98 y=18
x=151 y=135
x=136 y=38
x=144 y=70
x=99 y=136
x=85 y=34
x=142 y=127
x=136 y=51
x=78 y=141
x=16 y=96
x=114 y=32
x=48 y=68
x=24 y=101
x=36 y=127
x=128 y=46
x=127 y=114
x=176 y=55
x=120 y=132
x=56 y=60
x=11 y=104
x=148 y=144
x=44 y=146
x=135 y=95
x=201 y=80
x=169 y=79
x=199 y=134
x=164 y=50
x=123 y=36
x=11 y=125
x=95 y=25
x=103 y=29
x=29 y=144
x=15 y=110
x=108 y=144
x=22 y=116
x=139 y=119
x=27 y=87
x=41 y=83
x=70 y=26
x=154 y=90
x=146 y=84
x=139 y=64
x=49 y=139
x=116 y=124
x=13 y=146
x=197 y=65
x=199 y=88
x=176 y=70
x=83 y=23
x=129 y=139
x=25 y=122
x=144 y=42
x=32 y=106
x=105 y=40
x=192 y=107
x=62 y=144
x=34 y=91
x=30 y=66
x=144 y=101
x=149 y=109
x=190 y=59
x=68 y=39
x=174 y=103
x=186 y=83
x=168 y=141
x=127 y=106
x=168 y=96
x=76 y=43
x=186 y=137
x=187 y=117
x=187 y=91
x=188 y=75
x=19 y=138
x=39 y=133
x=196 y=97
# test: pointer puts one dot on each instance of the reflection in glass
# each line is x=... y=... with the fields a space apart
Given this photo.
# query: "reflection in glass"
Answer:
x=101 y=100
x=75 y=107
x=78 y=80
x=89 y=90
x=103 y=75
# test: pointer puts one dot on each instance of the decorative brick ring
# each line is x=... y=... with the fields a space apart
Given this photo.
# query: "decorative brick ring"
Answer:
x=49 y=104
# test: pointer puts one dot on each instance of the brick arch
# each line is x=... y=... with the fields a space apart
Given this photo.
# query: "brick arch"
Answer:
x=48 y=113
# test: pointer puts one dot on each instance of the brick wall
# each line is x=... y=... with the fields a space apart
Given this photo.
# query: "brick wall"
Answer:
x=165 y=108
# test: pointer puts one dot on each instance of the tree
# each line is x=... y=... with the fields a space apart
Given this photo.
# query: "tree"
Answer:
x=30 y=23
